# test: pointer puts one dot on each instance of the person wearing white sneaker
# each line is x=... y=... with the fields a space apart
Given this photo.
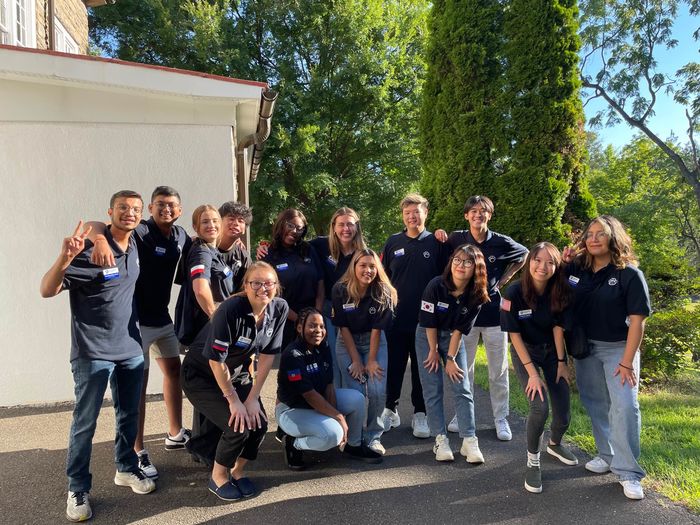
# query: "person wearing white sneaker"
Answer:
x=442 y=448
x=449 y=307
x=532 y=312
x=390 y=419
x=503 y=257
x=78 y=507
x=612 y=304
x=363 y=308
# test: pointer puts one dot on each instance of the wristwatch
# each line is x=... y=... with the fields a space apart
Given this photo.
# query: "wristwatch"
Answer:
x=452 y=358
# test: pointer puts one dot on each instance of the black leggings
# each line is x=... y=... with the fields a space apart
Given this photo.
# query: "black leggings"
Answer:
x=215 y=436
x=400 y=346
x=544 y=357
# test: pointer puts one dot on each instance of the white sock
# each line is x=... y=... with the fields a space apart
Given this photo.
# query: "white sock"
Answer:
x=533 y=460
x=141 y=452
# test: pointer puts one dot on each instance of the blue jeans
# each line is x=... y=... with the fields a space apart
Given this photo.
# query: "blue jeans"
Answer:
x=612 y=407
x=433 y=389
x=374 y=389
x=315 y=431
x=91 y=377
x=330 y=339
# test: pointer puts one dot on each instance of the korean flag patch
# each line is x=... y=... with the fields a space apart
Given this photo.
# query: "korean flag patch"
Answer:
x=427 y=307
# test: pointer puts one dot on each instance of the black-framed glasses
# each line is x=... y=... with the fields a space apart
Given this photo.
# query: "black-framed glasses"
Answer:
x=293 y=227
x=266 y=285
x=467 y=263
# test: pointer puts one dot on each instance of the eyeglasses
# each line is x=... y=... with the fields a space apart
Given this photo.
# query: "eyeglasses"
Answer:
x=467 y=263
x=170 y=205
x=598 y=236
x=123 y=208
x=293 y=227
x=266 y=285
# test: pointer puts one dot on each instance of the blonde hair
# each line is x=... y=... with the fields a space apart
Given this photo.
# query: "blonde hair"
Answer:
x=358 y=241
x=259 y=265
x=619 y=243
x=197 y=216
x=414 y=198
x=381 y=289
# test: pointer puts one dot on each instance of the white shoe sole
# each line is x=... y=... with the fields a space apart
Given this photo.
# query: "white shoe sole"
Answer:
x=119 y=482
x=561 y=458
x=534 y=490
x=597 y=470
x=421 y=434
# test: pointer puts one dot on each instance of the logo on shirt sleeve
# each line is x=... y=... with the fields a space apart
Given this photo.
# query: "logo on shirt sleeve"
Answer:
x=399 y=252
x=282 y=267
x=294 y=375
x=111 y=273
x=427 y=307
x=197 y=270
x=160 y=251
x=505 y=305
x=220 y=346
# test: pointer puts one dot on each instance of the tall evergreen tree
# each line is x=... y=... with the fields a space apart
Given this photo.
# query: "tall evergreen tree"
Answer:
x=461 y=131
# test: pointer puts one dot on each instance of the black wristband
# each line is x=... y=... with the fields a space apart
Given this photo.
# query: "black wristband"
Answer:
x=627 y=367
x=561 y=360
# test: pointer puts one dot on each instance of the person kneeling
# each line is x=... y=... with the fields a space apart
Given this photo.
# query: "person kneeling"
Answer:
x=310 y=412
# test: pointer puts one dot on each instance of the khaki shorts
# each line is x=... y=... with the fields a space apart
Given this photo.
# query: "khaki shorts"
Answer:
x=160 y=340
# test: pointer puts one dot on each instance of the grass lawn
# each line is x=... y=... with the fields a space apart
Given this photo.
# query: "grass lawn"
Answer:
x=670 y=432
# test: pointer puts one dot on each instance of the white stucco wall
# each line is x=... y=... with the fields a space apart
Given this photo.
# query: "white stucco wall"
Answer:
x=55 y=173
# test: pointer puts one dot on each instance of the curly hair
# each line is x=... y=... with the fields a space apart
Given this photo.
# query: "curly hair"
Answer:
x=557 y=286
x=477 y=289
x=619 y=243
x=381 y=289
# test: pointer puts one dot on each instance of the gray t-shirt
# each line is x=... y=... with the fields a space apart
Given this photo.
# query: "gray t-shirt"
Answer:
x=104 y=324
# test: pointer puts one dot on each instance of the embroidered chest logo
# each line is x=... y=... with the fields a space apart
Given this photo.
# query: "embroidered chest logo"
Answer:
x=464 y=310
x=426 y=254
x=612 y=281
x=372 y=310
x=492 y=258
x=269 y=331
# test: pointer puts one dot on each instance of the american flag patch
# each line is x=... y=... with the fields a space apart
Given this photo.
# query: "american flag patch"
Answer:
x=196 y=270
x=505 y=305
x=294 y=375
x=220 y=346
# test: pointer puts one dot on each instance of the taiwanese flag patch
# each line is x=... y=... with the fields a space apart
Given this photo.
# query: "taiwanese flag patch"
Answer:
x=294 y=375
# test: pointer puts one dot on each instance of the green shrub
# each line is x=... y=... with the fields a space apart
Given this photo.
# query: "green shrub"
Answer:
x=672 y=337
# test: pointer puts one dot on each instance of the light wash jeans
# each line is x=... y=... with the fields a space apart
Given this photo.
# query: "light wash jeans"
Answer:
x=315 y=431
x=330 y=339
x=495 y=342
x=91 y=377
x=374 y=389
x=612 y=407
x=432 y=386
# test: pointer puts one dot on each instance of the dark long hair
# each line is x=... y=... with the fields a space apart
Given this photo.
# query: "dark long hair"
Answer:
x=619 y=243
x=477 y=289
x=278 y=229
x=557 y=287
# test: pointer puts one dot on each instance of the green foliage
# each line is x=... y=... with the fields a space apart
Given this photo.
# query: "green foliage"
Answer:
x=672 y=338
x=348 y=72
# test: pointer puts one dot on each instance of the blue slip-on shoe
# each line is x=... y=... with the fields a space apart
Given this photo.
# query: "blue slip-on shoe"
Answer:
x=227 y=492
x=245 y=486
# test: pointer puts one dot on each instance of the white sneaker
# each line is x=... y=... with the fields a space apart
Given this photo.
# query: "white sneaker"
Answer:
x=377 y=447
x=503 y=430
x=442 y=449
x=419 y=424
x=632 y=489
x=454 y=425
x=598 y=465
x=470 y=450
x=148 y=468
x=178 y=441
x=138 y=482
x=390 y=419
x=78 y=507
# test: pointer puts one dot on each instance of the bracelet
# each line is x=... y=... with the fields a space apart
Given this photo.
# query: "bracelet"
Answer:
x=528 y=363
x=626 y=367
x=561 y=360
x=230 y=394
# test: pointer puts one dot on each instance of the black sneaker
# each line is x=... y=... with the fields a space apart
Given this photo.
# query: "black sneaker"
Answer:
x=295 y=458
x=279 y=434
x=179 y=441
x=533 y=479
x=362 y=453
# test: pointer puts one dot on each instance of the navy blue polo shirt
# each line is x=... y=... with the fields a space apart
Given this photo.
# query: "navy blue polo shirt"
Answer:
x=231 y=336
x=203 y=262
x=442 y=310
x=104 y=320
x=298 y=274
x=238 y=260
x=535 y=325
x=411 y=264
x=605 y=298
x=500 y=251
x=303 y=370
x=159 y=257
x=363 y=317
x=332 y=270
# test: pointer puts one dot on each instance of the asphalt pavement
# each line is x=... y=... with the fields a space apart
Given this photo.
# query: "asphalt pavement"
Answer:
x=408 y=487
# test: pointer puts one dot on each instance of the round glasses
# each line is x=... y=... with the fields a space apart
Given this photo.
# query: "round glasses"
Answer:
x=266 y=285
x=466 y=263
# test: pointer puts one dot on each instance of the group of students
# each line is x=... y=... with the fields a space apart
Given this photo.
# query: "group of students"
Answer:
x=346 y=321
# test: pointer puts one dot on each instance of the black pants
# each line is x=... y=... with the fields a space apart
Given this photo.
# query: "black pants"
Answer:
x=215 y=437
x=544 y=357
x=401 y=345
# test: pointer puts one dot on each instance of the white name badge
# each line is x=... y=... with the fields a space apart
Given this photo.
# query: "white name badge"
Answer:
x=331 y=260
x=348 y=307
x=399 y=252
x=442 y=306
x=524 y=314
x=160 y=251
x=282 y=267
x=111 y=273
x=573 y=280
x=243 y=342
x=227 y=271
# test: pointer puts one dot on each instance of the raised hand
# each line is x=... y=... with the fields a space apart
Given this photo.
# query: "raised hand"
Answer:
x=75 y=244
